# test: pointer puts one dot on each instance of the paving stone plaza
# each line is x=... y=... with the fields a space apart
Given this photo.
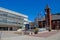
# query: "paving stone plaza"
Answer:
x=8 y=35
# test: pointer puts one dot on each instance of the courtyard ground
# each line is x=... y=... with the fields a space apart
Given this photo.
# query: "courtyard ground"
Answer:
x=10 y=35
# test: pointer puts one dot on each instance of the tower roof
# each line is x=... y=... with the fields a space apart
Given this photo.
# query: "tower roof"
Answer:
x=47 y=6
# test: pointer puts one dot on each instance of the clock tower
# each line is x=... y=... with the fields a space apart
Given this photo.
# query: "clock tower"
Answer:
x=48 y=17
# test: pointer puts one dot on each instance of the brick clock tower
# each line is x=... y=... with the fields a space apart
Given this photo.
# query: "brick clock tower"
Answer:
x=48 y=17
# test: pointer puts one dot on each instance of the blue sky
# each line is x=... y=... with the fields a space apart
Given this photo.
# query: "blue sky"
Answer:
x=31 y=7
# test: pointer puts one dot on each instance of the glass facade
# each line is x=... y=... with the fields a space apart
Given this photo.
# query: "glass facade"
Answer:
x=11 y=19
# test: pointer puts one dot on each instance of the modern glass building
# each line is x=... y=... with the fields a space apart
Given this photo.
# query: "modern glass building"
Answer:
x=10 y=20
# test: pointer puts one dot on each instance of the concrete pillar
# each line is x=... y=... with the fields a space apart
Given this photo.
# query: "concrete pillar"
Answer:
x=13 y=28
x=8 y=28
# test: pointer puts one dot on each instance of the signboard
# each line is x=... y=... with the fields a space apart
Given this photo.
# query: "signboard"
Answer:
x=27 y=26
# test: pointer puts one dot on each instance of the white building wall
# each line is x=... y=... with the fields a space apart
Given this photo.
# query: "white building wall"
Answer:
x=11 y=16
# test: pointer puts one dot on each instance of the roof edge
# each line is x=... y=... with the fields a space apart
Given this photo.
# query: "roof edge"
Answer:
x=13 y=12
